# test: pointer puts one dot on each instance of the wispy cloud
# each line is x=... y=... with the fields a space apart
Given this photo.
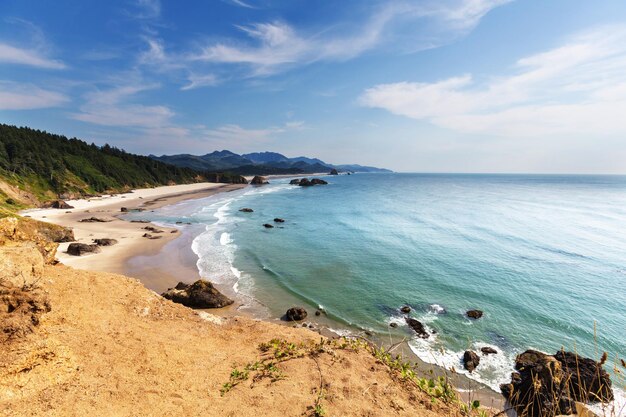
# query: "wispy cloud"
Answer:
x=242 y=3
x=17 y=96
x=576 y=88
x=198 y=81
x=147 y=9
x=13 y=55
x=276 y=46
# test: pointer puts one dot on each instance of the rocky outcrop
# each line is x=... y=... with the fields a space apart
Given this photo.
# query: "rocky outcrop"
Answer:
x=305 y=182
x=58 y=204
x=318 y=181
x=246 y=210
x=200 y=294
x=587 y=381
x=470 y=360
x=546 y=386
x=45 y=236
x=105 y=242
x=295 y=314
x=418 y=327
x=78 y=249
x=334 y=172
x=258 y=180
x=294 y=181
x=474 y=314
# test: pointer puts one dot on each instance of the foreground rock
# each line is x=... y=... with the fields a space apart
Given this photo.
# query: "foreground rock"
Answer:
x=78 y=249
x=470 y=360
x=546 y=386
x=474 y=314
x=105 y=242
x=418 y=327
x=200 y=294
x=258 y=180
x=295 y=314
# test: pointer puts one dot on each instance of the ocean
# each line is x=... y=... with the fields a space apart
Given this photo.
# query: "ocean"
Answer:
x=544 y=256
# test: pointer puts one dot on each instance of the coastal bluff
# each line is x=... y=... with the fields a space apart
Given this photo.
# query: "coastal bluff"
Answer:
x=102 y=344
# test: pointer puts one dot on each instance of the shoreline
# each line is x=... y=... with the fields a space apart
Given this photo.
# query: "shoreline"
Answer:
x=134 y=256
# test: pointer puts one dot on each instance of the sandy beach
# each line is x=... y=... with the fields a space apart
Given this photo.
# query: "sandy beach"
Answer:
x=130 y=236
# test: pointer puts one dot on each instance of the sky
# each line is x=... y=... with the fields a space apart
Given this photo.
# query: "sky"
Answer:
x=518 y=86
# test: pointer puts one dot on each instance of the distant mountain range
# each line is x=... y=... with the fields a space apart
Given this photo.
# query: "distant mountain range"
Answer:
x=258 y=163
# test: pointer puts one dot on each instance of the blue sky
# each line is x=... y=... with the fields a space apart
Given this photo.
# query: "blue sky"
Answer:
x=423 y=86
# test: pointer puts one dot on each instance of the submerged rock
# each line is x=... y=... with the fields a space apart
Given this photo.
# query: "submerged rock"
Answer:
x=279 y=220
x=470 y=360
x=268 y=226
x=474 y=314
x=418 y=327
x=77 y=249
x=393 y=324
x=200 y=294
x=294 y=181
x=296 y=314
x=405 y=309
x=246 y=210
x=487 y=350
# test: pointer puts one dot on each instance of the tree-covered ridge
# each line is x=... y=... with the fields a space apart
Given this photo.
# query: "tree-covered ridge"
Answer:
x=48 y=165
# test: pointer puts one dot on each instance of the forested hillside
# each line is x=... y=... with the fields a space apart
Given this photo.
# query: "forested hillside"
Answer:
x=43 y=166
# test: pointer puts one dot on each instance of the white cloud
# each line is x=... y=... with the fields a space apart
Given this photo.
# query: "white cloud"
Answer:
x=197 y=81
x=14 y=96
x=242 y=4
x=13 y=55
x=277 y=46
x=577 y=88
x=148 y=9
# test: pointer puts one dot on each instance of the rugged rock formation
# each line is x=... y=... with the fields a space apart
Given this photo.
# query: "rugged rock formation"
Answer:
x=405 y=309
x=200 y=294
x=418 y=327
x=44 y=235
x=58 y=204
x=305 y=182
x=279 y=220
x=246 y=210
x=470 y=360
x=295 y=314
x=333 y=172
x=488 y=350
x=474 y=314
x=258 y=180
x=317 y=181
x=546 y=386
x=78 y=249
x=294 y=181
x=105 y=242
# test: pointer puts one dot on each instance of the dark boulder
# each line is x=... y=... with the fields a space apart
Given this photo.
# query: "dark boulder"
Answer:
x=418 y=327
x=258 y=180
x=487 y=350
x=105 y=242
x=318 y=313
x=295 y=181
x=124 y=209
x=246 y=210
x=152 y=237
x=405 y=309
x=393 y=324
x=305 y=182
x=268 y=226
x=333 y=172
x=317 y=181
x=200 y=294
x=586 y=380
x=470 y=360
x=59 y=204
x=95 y=220
x=474 y=314
x=153 y=229
x=77 y=249
x=279 y=220
x=295 y=314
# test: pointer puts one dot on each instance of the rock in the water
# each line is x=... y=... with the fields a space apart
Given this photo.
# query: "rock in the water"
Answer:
x=405 y=309
x=317 y=181
x=279 y=220
x=547 y=385
x=474 y=314
x=487 y=350
x=296 y=314
x=295 y=181
x=246 y=210
x=268 y=226
x=124 y=209
x=393 y=324
x=77 y=249
x=587 y=381
x=200 y=294
x=305 y=182
x=333 y=172
x=470 y=360
x=258 y=180
x=418 y=327
x=105 y=242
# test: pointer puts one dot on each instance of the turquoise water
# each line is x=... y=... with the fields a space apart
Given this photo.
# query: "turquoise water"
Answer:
x=543 y=256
